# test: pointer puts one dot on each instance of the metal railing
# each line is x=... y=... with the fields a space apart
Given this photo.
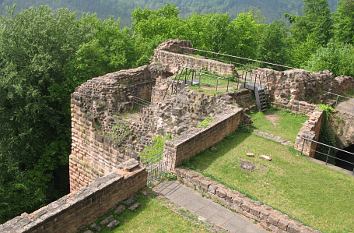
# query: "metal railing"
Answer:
x=329 y=152
x=156 y=171
x=337 y=97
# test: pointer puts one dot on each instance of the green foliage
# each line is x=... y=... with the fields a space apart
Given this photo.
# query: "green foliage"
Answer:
x=338 y=58
x=273 y=46
x=154 y=152
x=344 y=22
x=326 y=108
x=327 y=135
x=120 y=131
x=206 y=122
x=45 y=54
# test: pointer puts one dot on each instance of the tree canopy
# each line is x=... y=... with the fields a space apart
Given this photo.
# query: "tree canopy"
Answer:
x=46 y=53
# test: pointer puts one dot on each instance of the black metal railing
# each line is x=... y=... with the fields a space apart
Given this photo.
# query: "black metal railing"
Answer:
x=328 y=154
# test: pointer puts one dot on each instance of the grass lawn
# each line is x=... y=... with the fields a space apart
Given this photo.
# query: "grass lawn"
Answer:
x=279 y=122
x=312 y=193
x=153 y=216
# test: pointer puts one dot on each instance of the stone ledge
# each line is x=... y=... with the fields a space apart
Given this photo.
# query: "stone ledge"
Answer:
x=269 y=218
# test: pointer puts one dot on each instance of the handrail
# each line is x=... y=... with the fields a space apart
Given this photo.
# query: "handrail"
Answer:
x=323 y=144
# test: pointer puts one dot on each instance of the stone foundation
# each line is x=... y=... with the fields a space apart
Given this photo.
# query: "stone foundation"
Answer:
x=270 y=219
x=77 y=209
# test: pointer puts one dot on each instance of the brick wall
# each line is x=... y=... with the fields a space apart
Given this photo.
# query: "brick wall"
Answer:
x=270 y=219
x=186 y=146
x=310 y=130
x=78 y=209
x=93 y=106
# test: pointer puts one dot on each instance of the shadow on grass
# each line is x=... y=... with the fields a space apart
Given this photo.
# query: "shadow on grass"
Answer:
x=128 y=215
x=208 y=157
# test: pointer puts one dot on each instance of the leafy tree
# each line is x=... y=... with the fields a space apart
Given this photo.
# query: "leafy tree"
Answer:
x=242 y=39
x=109 y=49
x=151 y=27
x=344 y=22
x=207 y=31
x=338 y=58
x=36 y=46
x=273 y=45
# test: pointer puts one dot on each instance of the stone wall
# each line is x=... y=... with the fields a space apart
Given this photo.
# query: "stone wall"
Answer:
x=299 y=88
x=175 y=54
x=244 y=98
x=343 y=127
x=270 y=219
x=94 y=106
x=77 y=209
x=311 y=131
x=188 y=145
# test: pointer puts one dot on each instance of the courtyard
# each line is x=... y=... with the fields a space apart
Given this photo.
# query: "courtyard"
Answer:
x=312 y=193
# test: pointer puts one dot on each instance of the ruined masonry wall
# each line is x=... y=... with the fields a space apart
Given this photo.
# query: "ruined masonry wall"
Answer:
x=298 y=89
x=78 y=209
x=93 y=106
x=270 y=219
x=310 y=130
x=175 y=61
x=185 y=147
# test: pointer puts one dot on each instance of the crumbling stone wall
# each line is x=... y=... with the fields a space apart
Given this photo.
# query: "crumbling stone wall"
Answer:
x=343 y=127
x=310 y=131
x=188 y=145
x=299 y=89
x=78 y=209
x=171 y=55
x=269 y=218
x=94 y=106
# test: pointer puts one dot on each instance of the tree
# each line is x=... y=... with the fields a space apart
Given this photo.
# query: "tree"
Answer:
x=242 y=39
x=151 y=27
x=344 y=22
x=318 y=19
x=338 y=58
x=273 y=45
x=36 y=46
x=207 y=31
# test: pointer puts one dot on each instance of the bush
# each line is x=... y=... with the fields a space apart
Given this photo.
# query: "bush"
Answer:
x=338 y=58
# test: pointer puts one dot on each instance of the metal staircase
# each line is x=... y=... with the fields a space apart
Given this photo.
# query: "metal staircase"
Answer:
x=261 y=93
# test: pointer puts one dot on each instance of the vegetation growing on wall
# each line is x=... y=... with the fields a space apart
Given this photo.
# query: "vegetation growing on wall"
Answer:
x=154 y=152
x=45 y=54
x=206 y=122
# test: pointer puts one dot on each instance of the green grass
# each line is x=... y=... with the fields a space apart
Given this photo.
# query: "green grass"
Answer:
x=209 y=81
x=287 y=124
x=153 y=216
x=307 y=191
x=154 y=152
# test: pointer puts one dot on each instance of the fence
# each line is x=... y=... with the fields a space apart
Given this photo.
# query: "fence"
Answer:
x=337 y=98
x=157 y=172
x=329 y=154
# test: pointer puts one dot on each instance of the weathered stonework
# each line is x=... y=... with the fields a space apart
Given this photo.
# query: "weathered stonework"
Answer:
x=310 y=131
x=342 y=125
x=188 y=145
x=173 y=59
x=270 y=219
x=298 y=90
x=93 y=108
x=77 y=209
